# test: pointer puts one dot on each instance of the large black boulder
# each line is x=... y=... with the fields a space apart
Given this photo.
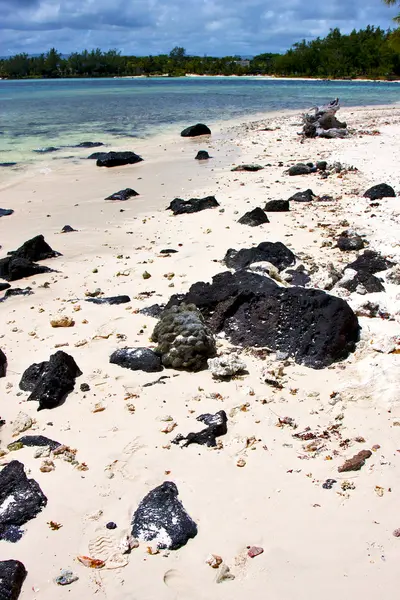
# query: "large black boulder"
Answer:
x=306 y=196
x=123 y=195
x=196 y=130
x=354 y=280
x=50 y=381
x=349 y=241
x=161 y=518
x=254 y=217
x=35 y=249
x=382 y=190
x=13 y=268
x=370 y=262
x=277 y=206
x=274 y=252
x=12 y=577
x=4 y=286
x=117 y=159
x=3 y=364
x=137 y=359
x=314 y=328
x=181 y=207
x=21 y=499
x=110 y=300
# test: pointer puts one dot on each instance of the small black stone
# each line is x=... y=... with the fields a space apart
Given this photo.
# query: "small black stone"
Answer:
x=382 y=190
x=85 y=387
x=111 y=525
x=202 y=155
x=254 y=217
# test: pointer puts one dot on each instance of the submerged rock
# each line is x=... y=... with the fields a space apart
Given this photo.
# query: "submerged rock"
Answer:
x=275 y=253
x=184 y=341
x=88 y=145
x=225 y=366
x=3 y=364
x=110 y=300
x=117 y=159
x=123 y=195
x=12 y=577
x=251 y=168
x=254 y=217
x=161 y=518
x=50 y=381
x=277 y=206
x=216 y=426
x=180 y=207
x=313 y=327
x=137 y=359
x=202 y=155
x=382 y=190
x=306 y=196
x=6 y=212
x=21 y=499
x=46 y=150
x=196 y=130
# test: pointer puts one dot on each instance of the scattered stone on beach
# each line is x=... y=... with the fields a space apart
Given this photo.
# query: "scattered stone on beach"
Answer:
x=168 y=251
x=180 y=207
x=12 y=577
x=184 y=341
x=349 y=240
x=21 y=423
x=393 y=276
x=202 y=155
x=123 y=194
x=50 y=381
x=21 y=499
x=277 y=206
x=360 y=282
x=314 y=328
x=214 y=561
x=251 y=168
x=46 y=150
x=196 y=130
x=84 y=387
x=152 y=311
x=254 y=551
x=298 y=276
x=37 y=441
x=62 y=321
x=216 y=426
x=6 y=212
x=66 y=577
x=377 y=192
x=109 y=300
x=117 y=159
x=88 y=145
x=224 y=574
x=226 y=366
x=3 y=364
x=275 y=253
x=8 y=164
x=4 y=286
x=35 y=249
x=162 y=519
x=254 y=217
x=14 y=268
x=17 y=292
x=370 y=262
x=328 y=484
x=137 y=359
x=323 y=122
x=306 y=196
x=67 y=229
x=355 y=463
x=300 y=169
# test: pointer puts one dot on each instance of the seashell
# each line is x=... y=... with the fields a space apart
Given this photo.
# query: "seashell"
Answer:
x=92 y=563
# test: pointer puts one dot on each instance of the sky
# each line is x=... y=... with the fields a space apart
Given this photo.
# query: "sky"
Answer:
x=212 y=27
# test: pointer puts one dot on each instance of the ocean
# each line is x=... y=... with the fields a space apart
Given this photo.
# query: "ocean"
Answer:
x=38 y=114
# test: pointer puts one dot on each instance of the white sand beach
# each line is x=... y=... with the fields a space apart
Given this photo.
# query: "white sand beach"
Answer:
x=315 y=541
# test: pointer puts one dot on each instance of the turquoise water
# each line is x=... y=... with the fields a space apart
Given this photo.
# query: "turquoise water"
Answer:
x=39 y=113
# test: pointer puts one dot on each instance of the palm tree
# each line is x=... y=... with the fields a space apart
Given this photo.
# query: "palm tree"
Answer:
x=394 y=39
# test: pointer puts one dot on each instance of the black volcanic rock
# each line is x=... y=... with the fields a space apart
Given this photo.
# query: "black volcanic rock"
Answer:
x=4 y=286
x=14 y=268
x=277 y=206
x=6 y=212
x=370 y=262
x=17 y=292
x=37 y=441
x=35 y=249
x=216 y=426
x=348 y=241
x=50 y=381
x=137 y=359
x=254 y=217
x=12 y=577
x=306 y=196
x=202 y=155
x=196 y=130
x=88 y=145
x=181 y=207
x=67 y=229
x=96 y=155
x=250 y=168
x=274 y=252
x=300 y=169
x=314 y=328
x=110 y=300
x=117 y=159
x=161 y=518
x=382 y=190
x=21 y=498
x=3 y=364
x=122 y=195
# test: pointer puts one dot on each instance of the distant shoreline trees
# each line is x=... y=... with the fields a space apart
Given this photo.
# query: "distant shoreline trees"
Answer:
x=367 y=53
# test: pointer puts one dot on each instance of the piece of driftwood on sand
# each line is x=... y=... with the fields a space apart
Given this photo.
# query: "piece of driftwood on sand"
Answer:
x=323 y=122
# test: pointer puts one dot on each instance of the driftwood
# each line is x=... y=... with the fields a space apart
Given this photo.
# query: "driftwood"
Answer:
x=323 y=122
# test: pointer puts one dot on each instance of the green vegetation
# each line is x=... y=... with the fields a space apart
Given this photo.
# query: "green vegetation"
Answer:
x=368 y=53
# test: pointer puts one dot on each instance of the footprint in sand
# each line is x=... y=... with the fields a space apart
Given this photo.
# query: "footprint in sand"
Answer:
x=178 y=583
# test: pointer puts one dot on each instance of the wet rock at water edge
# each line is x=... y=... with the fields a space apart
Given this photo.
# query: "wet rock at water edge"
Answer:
x=49 y=382
x=254 y=217
x=137 y=359
x=3 y=364
x=117 y=159
x=123 y=195
x=184 y=341
x=67 y=229
x=306 y=196
x=382 y=190
x=21 y=499
x=46 y=150
x=202 y=155
x=196 y=130
x=350 y=240
x=277 y=206
x=250 y=168
x=88 y=145
x=216 y=426
x=162 y=519
x=12 y=577
x=6 y=212
x=275 y=253
x=180 y=207
x=109 y=300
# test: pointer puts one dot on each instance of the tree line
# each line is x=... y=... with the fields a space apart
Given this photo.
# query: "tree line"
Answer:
x=369 y=53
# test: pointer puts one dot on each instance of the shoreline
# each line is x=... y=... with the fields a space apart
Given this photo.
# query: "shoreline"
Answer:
x=276 y=501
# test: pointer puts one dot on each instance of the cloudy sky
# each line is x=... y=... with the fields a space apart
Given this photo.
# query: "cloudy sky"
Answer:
x=213 y=27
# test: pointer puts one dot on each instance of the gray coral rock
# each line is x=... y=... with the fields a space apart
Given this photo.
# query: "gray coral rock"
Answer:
x=183 y=339
x=226 y=366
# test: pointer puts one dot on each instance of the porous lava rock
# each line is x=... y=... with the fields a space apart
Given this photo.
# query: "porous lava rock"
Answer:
x=181 y=207
x=254 y=217
x=137 y=359
x=196 y=130
x=275 y=253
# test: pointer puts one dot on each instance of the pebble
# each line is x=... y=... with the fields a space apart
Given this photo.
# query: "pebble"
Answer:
x=254 y=551
x=66 y=578
x=111 y=525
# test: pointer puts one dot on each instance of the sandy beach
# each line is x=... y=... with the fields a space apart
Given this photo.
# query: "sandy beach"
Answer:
x=260 y=486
